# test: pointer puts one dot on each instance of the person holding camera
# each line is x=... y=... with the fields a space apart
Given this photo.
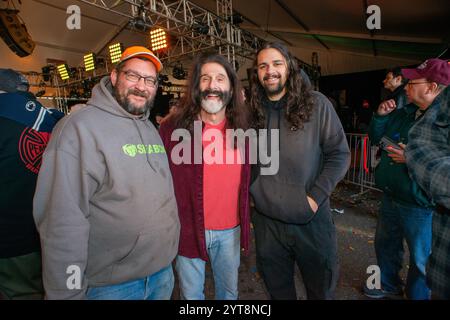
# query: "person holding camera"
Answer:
x=406 y=211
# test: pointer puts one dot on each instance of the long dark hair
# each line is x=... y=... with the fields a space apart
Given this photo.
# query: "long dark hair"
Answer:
x=300 y=101
x=237 y=113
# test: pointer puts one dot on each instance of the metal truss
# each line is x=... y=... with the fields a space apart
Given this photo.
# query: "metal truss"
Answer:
x=193 y=29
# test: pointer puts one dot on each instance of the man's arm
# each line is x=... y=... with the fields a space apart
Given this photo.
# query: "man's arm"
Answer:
x=60 y=209
x=428 y=160
x=336 y=155
x=380 y=120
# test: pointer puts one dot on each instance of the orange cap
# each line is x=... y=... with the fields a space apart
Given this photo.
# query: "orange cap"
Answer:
x=141 y=52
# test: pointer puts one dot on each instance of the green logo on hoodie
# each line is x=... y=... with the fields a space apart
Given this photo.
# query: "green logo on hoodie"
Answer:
x=132 y=150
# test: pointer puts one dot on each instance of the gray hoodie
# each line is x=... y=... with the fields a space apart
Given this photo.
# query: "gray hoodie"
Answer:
x=104 y=203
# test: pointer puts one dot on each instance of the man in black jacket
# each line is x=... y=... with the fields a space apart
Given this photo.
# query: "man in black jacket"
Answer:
x=25 y=127
x=292 y=218
x=395 y=83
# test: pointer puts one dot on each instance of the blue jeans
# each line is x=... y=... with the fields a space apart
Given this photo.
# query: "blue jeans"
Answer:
x=224 y=254
x=395 y=223
x=157 y=286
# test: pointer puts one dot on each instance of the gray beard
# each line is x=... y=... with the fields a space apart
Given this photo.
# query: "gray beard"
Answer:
x=212 y=107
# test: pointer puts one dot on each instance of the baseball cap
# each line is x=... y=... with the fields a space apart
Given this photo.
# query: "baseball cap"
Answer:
x=436 y=70
x=12 y=81
x=141 y=52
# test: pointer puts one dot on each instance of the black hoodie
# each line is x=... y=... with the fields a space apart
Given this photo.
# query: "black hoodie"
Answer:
x=312 y=161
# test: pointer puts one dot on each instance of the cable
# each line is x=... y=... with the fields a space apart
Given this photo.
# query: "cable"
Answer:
x=268 y=17
x=444 y=52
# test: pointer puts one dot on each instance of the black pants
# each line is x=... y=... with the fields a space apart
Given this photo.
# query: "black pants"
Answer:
x=312 y=246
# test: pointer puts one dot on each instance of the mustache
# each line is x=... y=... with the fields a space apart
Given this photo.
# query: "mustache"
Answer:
x=138 y=93
x=274 y=75
x=207 y=92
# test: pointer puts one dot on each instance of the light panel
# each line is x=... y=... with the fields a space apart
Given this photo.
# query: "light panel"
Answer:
x=89 y=62
x=63 y=71
x=158 y=39
x=115 y=52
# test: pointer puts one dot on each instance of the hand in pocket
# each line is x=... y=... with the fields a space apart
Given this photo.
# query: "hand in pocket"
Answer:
x=312 y=204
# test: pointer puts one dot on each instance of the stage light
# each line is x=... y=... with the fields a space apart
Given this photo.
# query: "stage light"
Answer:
x=14 y=32
x=89 y=62
x=115 y=52
x=237 y=19
x=139 y=23
x=201 y=28
x=178 y=72
x=158 y=39
x=63 y=71
x=47 y=72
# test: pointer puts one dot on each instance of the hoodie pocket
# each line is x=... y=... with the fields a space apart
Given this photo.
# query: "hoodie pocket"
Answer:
x=150 y=253
x=284 y=201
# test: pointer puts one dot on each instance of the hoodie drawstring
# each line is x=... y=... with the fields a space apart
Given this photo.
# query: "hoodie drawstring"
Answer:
x=142 y=140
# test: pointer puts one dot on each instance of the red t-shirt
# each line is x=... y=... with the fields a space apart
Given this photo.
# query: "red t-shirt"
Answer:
x=221 y=179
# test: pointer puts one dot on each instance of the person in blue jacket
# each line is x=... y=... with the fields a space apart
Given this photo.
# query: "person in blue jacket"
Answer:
x=25 y=128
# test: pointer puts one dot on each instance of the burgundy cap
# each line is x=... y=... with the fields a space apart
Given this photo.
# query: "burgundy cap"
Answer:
x=435 y=70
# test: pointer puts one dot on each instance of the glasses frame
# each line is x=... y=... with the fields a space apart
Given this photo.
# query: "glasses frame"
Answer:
x=135 y=78
x=413 y=83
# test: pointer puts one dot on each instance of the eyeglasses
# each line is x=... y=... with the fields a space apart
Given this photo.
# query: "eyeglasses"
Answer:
x=412 y=83
x=133 y=77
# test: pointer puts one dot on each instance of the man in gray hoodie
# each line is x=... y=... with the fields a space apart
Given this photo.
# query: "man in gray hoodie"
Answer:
x=104 y=205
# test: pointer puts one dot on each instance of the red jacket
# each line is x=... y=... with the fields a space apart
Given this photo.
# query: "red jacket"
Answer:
x=188 y=184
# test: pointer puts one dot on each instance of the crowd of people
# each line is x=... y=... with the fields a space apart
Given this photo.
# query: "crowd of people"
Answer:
x=103 y=205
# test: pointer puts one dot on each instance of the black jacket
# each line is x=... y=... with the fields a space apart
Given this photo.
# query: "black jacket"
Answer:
x=25 y=128
x=312 y=161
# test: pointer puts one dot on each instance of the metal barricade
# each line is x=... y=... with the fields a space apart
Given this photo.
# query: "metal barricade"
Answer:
x=363 y=162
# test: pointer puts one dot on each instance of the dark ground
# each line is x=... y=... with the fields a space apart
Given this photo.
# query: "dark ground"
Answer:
x=355 y=234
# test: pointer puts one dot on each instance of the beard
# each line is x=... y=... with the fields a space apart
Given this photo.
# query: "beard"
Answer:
x=125 y=102
x=214 y=106
x=273 y=90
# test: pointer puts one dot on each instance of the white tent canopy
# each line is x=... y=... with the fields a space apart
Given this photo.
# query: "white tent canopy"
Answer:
x=411 y=30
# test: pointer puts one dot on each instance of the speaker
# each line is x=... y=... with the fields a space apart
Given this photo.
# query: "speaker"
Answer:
x=14 y=33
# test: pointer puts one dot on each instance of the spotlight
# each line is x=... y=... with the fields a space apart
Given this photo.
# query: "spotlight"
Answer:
x=14 y=32
x=140 y=17
x=139 y=23
x=46 y=72
x=237 y=19
x=89 y=62
x=179 y=73
x=163 y=78
x=63 y=71
x=115 y=52
x=158 y=39
x=73 y=71
x=201 y=28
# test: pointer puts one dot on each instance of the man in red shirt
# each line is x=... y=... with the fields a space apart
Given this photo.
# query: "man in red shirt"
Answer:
x=212 y=190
